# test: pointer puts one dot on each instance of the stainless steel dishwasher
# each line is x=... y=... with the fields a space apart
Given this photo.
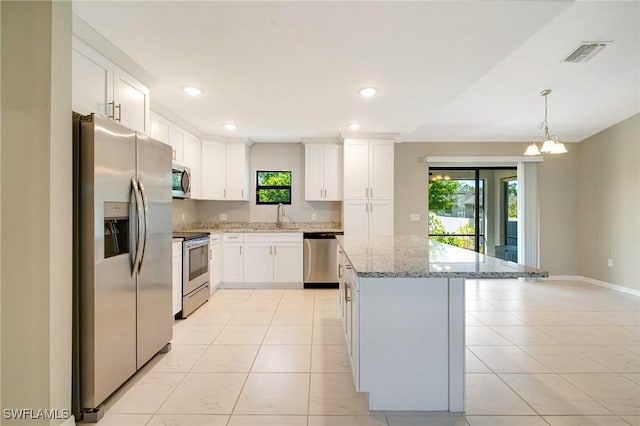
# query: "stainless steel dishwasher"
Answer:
x=321 y=259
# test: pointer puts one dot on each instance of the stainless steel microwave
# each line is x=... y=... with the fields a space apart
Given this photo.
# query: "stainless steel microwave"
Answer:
x=181 y=181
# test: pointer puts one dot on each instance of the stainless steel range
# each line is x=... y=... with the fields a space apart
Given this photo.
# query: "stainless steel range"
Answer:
x=195 y=270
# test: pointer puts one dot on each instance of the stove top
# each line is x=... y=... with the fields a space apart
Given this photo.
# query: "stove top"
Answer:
x=190 y=235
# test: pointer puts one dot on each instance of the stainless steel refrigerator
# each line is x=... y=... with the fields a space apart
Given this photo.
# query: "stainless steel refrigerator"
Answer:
x=122 y=284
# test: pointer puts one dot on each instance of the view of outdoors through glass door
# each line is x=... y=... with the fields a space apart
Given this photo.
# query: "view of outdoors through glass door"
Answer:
x=475 y=208
x=456 y=217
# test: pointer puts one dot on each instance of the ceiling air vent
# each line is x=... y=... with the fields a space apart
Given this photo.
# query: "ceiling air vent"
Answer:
x=586 y=51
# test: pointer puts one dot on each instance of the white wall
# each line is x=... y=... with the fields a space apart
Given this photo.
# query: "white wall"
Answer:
x=36 y=185
x=557 y=180
x=263 y=156
x=609 y=204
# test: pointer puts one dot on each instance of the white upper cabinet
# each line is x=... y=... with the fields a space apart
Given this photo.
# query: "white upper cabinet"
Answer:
x=169 y=133
x=131 y=102
x=380 y=169
x=176 y=140
x=92 y=80
x=237 y=187
x=225 y=171
x=192 y=159
x=356 y=169
x=161 y=129
x=368 y=169
x=101 y=87
x=213 y=170
x=323 y=172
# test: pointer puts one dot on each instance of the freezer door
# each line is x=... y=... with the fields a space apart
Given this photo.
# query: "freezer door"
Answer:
x=154 y=301
x=106 y=288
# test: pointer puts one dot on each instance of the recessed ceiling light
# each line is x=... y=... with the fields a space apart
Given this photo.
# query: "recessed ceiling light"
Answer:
x=229 y=126
x=368 y=92
x=192 y=91
x=354 y=126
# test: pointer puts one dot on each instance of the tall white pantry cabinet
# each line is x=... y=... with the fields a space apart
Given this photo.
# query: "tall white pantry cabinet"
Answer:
x=368 y=187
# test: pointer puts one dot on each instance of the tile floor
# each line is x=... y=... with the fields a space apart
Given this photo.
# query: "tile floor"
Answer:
x=538 y=353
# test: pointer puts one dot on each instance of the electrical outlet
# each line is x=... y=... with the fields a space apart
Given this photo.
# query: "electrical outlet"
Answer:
x=414 y=217
x=223 y=216
x=610 y=263
x=314 y=216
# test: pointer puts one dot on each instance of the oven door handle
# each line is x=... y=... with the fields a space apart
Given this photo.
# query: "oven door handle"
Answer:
x=135 y=259
x=145 y=206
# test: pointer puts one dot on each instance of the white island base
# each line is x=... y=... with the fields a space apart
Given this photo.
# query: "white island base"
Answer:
x=407 y=342
x=403 y=307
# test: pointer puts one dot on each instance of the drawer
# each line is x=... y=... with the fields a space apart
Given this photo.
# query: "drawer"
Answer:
x=233 y=237
x=214 y=237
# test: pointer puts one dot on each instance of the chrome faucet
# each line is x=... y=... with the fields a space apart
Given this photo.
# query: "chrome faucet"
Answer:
x=278 y=215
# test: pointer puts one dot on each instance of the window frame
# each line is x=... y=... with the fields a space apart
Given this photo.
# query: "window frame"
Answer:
x=267 y=187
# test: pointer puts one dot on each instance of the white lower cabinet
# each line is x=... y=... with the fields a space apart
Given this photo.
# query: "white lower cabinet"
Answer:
x=262 y=257
x=176 y=279
x=214 y=261
x=350 y=295
x=232 y=257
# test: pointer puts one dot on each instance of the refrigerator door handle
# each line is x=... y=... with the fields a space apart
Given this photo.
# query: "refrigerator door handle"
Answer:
x=146 y=223
x=137 y=227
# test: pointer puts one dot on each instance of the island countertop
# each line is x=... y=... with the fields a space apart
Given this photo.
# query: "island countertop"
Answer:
x=413 y=256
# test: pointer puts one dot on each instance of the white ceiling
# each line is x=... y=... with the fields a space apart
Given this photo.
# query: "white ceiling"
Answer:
x=446 y=71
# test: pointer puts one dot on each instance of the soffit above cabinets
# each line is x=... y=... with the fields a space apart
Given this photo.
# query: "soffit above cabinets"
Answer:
x=445 y=71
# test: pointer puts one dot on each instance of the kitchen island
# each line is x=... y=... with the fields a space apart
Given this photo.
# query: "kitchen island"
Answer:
x=403 y=306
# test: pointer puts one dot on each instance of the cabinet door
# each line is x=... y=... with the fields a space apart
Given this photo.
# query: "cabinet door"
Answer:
x=213 y=170
x=355 y=333
x=160 y=129
x=176 y=281
x=258 y=262
x=214 y=265
x=192 y=159
x=356 y=218
x=381 y=218
x=313 y=172
x=333 y=172
x=287 y=262
x=237 y=177
x=132 y=102
x=356 y=169
x=232 y=262
x=92 y=81
x=176 y=140
x=380 y=169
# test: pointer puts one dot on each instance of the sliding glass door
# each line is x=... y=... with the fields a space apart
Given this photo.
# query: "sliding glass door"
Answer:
x=465 y=207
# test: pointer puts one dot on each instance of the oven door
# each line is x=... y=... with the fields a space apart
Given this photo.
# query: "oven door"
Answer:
x=195 y=269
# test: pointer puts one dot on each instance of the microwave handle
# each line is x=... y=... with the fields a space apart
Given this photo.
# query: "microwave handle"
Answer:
x=185 y=181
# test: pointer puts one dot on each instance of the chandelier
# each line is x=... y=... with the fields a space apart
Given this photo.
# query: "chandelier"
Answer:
x=550 y=143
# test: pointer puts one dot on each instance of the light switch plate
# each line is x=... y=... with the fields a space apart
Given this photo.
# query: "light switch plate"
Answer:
x=314 y=216
x=414 y=217
x=223 y=216
x=610 y=263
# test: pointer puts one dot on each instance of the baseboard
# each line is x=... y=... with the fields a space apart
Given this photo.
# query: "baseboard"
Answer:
x=605 y=284
x=260 y=285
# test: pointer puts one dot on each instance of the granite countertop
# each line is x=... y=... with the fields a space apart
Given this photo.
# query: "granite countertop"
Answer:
x=263 y=227
x=412 y=256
